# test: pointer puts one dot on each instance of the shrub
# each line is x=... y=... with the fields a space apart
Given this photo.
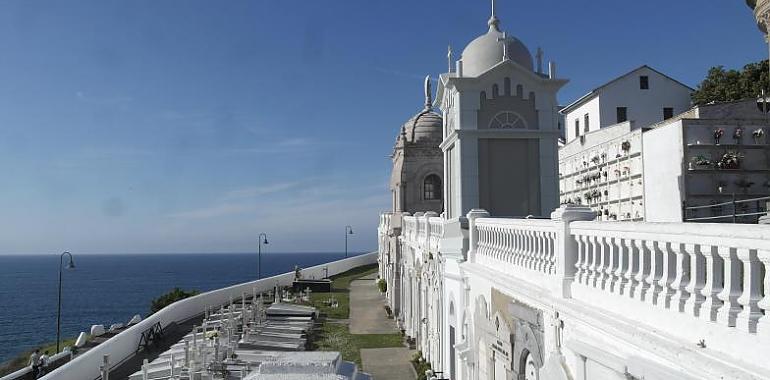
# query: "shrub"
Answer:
x=383 y=285
x=172 y=296
x=420 y=365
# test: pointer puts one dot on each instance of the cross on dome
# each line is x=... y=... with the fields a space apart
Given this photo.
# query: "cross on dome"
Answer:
x=506 y=39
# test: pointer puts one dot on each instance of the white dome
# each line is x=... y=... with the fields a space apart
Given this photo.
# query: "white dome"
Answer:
x=487 y=51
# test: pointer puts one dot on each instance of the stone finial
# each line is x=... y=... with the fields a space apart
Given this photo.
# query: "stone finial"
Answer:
x=428 y=94
x=571 y=213
x=493 y=22
x=539 y=56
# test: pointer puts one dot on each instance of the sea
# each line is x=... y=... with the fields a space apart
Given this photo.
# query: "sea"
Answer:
x=107 y=289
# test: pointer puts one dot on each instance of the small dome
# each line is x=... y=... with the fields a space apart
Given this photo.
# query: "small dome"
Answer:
x=487 y=51
x=426 y=125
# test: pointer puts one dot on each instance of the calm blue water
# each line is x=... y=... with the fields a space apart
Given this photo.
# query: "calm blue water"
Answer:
x=107 y=289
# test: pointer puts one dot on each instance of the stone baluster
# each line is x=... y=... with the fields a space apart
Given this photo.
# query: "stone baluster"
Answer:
x=505 y=253
x=536 y=249
x=529 y=249
x=502 y=245
x=520 y=247
x=549 y=258
x=594 y=261
x=713 y=286
x=513 y=235
x=642 y=270
x=752 y=292
x=731 y=286
x=763 y=324
x=540 y=255
x=604 y=270
x=580 y=261
x=697 y=280
x=654 y=271
x=681 y=278
x=633 y=262
x=523 y=254
x=620 y=283
x=612 y=262
x=668 y=272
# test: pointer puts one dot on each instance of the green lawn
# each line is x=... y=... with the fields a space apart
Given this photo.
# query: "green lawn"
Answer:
x=334 y=334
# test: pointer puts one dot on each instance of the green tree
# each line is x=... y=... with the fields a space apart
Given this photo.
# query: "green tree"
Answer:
x=174 y=295
x=723 y=85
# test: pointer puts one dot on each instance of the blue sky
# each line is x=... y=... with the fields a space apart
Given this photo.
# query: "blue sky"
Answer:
x=191 y=126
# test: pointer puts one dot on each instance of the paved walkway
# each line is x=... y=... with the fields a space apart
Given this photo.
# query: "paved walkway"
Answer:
x=367 y=316
x=367 y=308
x=388 y=363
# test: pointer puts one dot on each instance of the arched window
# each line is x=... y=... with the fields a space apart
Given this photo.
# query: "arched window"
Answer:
x=495 y=91
x=507 y=86
x=432 y=188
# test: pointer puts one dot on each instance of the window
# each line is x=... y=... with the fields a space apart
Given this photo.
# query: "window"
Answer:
x=668 y=113
x=495 y=91
x=432 y=188
x=577 y=128
x=507 y=120
x=586 y=123
x=622 y=113
x=507 y=86
x=644 y=82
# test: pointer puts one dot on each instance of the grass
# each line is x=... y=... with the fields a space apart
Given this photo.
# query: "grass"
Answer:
x=337 y=337
x=340 y=292
x=21 y=360
x=334 y=334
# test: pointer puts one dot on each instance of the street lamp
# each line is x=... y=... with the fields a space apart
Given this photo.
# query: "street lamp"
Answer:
x=70 y=265
x=262 y=240
x=348 y=231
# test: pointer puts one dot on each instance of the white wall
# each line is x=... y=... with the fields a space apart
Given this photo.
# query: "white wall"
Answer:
x=645 y=107
x=591 y=108
x=123 y=346
x=663 y=191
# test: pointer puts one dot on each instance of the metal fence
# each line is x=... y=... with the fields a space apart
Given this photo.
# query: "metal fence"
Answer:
x=733 y=211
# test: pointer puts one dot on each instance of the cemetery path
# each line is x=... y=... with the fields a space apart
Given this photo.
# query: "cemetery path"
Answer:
x=367 y=316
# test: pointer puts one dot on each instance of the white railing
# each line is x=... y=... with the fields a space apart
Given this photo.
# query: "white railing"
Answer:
x=715 y=272
x=409 y=231
x=436 y=226
x=124 y=345
x=518 y=244
x=423 y=232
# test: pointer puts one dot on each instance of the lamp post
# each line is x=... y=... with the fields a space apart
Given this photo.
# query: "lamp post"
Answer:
x=262 y=240
x=70 y=265
x=348 y=231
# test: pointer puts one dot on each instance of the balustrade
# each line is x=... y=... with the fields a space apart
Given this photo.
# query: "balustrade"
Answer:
x=717 y=273
x=525 y=244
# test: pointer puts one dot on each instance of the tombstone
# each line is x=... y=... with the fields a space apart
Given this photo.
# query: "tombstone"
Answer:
x=97 y=330
x=82 y=339
x=134 y=320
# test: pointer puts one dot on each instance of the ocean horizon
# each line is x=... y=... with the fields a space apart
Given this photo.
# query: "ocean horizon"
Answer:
x=111 y=288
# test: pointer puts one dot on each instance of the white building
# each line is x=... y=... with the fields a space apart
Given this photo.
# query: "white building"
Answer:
x=692 y=168
x=643 y=96
x=501 y=128
x=606 y=169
